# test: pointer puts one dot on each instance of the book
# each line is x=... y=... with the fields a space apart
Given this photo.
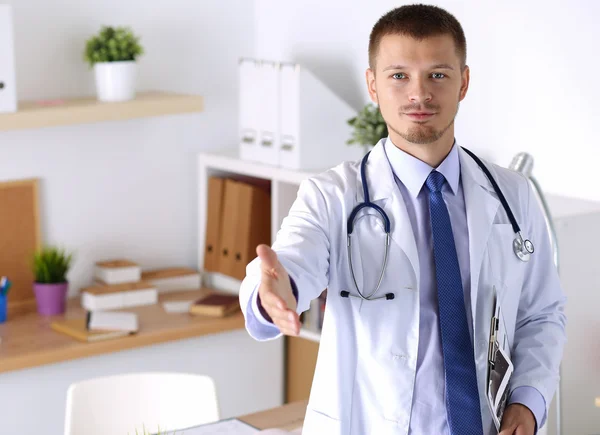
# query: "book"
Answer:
x=112 y=321
x=77 y=328
x=173 y=279
x=114 y=296
x=117 y=271
x=216 y=305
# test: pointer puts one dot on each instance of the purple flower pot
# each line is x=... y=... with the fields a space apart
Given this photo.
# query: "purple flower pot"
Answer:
x=51 y=298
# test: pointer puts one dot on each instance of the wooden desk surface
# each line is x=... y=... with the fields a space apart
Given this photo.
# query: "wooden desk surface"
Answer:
x=28 y=340
x=289 y=417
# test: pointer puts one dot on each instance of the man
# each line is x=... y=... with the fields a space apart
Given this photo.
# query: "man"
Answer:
x=416 y=363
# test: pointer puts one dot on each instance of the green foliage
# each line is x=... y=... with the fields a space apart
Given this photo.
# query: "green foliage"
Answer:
x=112 y=44
x=50 y=265
x=369 y=126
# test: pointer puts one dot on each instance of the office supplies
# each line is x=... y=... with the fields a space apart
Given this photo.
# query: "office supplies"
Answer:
x=8 y=82
x=112 y=321
x=216 y=304
x=246 y=224
x=77 y=328
x=173 y=279
x=114 y=296
x=20 y=234
x=3 y=308
x=117 y=271
x=214 y=219
x=314 y=127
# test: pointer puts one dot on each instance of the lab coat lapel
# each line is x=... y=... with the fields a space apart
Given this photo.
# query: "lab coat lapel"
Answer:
x=382 y=186
x=481 y=207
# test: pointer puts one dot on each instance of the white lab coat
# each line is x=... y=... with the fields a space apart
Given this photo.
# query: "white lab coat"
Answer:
x=365 y=373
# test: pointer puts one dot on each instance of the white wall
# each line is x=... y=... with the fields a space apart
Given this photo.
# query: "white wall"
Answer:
x=126 y=189
x=533 y=74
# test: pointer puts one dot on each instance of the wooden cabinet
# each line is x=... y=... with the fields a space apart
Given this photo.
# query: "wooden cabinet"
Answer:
x=301 y=359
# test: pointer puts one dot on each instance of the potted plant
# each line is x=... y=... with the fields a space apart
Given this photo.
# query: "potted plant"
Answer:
x=113 y=54
x=368 y=127
x=50 y=267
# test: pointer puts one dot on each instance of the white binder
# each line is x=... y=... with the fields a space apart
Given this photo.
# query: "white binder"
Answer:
x=269 y=114
x=259 y=111
x=8 y=85
x=249 y=97
x=314 y=127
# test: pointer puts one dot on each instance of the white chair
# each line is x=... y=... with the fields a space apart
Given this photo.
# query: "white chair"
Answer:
x=122 y=404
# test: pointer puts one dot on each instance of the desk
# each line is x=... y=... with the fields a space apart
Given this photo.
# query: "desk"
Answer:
x=37 y=364
x=28 y=340
x=289 y=417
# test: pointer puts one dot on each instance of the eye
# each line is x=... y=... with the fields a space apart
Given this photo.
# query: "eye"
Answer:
x=395 y=76
x=439 y=75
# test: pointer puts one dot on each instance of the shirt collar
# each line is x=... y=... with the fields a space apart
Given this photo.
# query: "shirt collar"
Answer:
x=413 y=172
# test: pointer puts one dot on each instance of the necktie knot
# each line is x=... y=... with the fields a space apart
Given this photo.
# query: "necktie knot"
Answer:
x=435 y=181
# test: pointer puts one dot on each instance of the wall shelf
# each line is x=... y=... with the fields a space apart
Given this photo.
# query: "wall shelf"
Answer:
x=35 y=114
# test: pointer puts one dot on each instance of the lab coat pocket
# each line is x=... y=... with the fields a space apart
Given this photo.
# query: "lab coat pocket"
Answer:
x=318 y=423
x=506 y=267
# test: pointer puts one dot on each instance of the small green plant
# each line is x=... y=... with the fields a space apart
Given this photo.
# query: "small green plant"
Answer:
x=369 y=126
x=112 y=44
x=51 y=264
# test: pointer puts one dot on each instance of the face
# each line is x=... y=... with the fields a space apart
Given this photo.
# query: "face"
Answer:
x=418 y=86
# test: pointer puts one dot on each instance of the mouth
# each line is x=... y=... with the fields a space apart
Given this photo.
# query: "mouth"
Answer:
x=420 y=116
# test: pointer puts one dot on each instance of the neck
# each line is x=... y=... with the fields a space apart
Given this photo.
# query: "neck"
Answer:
x=432 y=153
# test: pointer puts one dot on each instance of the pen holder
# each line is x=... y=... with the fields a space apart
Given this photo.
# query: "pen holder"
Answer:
x=3 y=308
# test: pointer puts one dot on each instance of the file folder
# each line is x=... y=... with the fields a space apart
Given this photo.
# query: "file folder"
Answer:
x=8 y=85
x=246 y=224
x=314 y=127
x=214 y=219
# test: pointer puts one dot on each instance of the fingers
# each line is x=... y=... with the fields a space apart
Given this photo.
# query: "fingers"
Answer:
x=288 y=323
x=269 y=263
x=509 y=430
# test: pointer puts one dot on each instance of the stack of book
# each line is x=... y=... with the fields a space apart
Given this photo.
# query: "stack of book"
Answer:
x=98 y=326
x=121 y=283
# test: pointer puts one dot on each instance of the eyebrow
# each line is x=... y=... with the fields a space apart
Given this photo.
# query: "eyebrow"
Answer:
x=438 y=66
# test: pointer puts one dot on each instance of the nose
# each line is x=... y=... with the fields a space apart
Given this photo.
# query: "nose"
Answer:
x=419 y=91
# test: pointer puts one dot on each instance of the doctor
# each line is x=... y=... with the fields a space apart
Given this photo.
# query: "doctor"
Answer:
x=415 y=362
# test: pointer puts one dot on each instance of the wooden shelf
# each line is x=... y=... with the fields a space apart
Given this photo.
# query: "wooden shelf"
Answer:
x=29 y=341
x=33 y=114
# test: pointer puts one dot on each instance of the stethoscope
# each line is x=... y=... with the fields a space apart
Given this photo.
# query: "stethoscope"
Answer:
x=522 y=248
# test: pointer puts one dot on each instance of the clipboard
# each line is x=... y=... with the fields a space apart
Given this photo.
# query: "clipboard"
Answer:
x=500 y=367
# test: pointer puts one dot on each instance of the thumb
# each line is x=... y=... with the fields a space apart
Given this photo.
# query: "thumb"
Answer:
x=268 y=258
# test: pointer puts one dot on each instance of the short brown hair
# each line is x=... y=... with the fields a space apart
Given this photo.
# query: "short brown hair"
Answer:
x=418 y=21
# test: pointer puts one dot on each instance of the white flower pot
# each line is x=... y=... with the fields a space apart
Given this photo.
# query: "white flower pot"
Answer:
x=115 y=81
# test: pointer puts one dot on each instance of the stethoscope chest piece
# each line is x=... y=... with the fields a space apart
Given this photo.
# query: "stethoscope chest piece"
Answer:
x=523 y=248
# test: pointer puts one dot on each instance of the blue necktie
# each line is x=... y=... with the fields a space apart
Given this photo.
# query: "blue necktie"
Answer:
x=462 y=397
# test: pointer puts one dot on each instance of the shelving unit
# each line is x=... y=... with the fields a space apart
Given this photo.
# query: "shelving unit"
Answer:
x=284 y=188
x=39 y=114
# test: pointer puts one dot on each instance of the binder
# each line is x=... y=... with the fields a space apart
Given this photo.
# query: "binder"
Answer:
x=249 y=98
x=214 y=219
x=314 y=128
x=269 y=137
x=259 y=111
x=253 y=226
x=228 y=227
x=8 y=85
x=246 y=224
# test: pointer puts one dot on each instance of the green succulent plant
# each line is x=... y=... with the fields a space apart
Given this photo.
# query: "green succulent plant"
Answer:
x=51 y=264
x=368 y=126
x=112 y=44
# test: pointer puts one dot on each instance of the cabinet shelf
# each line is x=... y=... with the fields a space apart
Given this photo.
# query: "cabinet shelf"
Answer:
x=35 y=114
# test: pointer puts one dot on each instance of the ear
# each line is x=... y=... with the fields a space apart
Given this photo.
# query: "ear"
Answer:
x=465 y=78
x=370 y=77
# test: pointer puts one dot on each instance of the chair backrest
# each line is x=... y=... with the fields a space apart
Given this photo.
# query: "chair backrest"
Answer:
x=122 y=404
